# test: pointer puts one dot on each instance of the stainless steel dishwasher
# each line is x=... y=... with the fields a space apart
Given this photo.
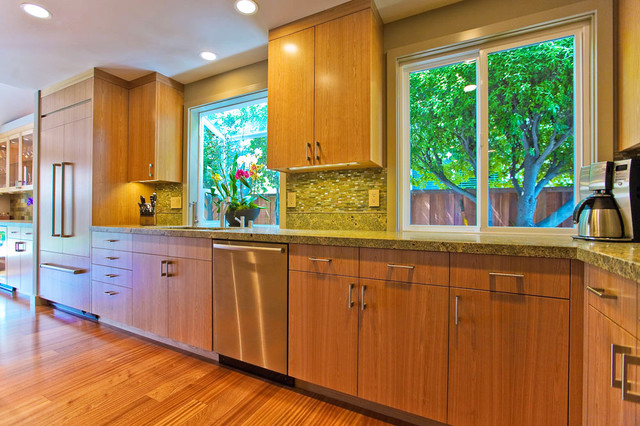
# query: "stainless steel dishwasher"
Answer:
x=250 y=303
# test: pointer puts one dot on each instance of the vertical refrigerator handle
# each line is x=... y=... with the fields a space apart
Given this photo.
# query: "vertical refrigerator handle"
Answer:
x=53 y=198
x=64 y=203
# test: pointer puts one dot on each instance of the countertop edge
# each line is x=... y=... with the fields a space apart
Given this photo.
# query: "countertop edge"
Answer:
x=619 y=264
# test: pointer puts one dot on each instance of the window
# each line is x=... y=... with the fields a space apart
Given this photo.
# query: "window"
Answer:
x=491 y=139
x=235 y=131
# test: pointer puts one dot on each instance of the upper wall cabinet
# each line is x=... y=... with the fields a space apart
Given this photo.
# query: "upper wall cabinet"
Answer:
x=16 y=160
x=325 y=90
x=628 y=74
x=155 y=129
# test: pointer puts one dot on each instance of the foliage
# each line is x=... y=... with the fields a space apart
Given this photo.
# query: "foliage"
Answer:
x=237 y=188
x=237 y=142
x=530 y=125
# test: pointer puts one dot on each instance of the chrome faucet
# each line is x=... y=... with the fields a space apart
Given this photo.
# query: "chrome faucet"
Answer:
x=224 y=206
x=194 y=213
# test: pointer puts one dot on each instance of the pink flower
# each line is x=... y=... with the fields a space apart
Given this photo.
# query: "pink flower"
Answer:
x=242 y=173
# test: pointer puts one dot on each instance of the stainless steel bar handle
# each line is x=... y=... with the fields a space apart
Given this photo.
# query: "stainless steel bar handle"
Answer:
x=21 y=246
x=194 y=212
x=455 y=318
x=316 y=151
x=150 y=166
x=247 y=248
x=111 y=275
x=350 y=301
x=502 y=274
x=363 y=304
x=627 y=395
x=111 y=293
x=62 y=233
x=615 y=350
x=308 y=151
x=168 y=263
x=601 y=293
x=112 y=241
x=393 y=265
x=112 y=258
x=162 y=270
x=53 y=199
x=320 y=259
x=15 y=247
x=59 y=268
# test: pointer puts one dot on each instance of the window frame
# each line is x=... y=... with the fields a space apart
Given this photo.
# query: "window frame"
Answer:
x=584 y=118
x=196 y=173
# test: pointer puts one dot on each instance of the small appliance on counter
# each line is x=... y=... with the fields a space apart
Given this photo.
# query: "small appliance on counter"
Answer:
x=609 y=209
x=148 y=210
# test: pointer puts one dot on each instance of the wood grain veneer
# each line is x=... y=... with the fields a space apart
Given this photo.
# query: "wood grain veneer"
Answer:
x=150 y=244
x=110 y=275
x=150 y=296
x=428 y=267
x=111 y=301
x=342 y=260
x=112 y=240
x=403 y=347
x=508 y=359
x=323 y=330
x=540 y=276
x=623 y=310
x=112 y=258
x=628 y=74
x=191 y=248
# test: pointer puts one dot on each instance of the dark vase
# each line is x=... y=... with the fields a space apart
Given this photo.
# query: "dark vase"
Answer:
x=233 y=216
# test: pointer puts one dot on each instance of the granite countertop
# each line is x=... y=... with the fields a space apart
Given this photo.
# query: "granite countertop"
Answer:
x=619 y=258
x=20 y=223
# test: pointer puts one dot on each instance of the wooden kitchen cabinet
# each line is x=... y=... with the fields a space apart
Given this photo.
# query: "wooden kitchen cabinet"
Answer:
x=402 y=351
x=628 y=89
x=323 y=330
x=172 y=291
x=325 y=91
x=508 y=359
x=611 y=333
x=19 y=263
x=155 y=129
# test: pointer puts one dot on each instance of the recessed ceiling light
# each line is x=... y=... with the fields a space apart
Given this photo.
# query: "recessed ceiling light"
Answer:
x=470 y=88
x=35 y=10
x=208 y=56
x=248 y=7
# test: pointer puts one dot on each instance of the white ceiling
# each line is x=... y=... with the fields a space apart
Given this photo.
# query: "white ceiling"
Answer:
x=132 y=37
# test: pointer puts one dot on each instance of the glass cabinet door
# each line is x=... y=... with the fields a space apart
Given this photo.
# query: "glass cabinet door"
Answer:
x=27 y=159
x=14 y=161
x=3 y=163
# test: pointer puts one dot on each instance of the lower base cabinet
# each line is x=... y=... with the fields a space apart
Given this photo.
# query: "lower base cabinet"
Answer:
x=396 y=357
x=508 y=359
x=111 y=301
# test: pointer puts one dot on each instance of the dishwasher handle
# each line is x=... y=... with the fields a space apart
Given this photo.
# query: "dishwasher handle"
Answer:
x=248 y=248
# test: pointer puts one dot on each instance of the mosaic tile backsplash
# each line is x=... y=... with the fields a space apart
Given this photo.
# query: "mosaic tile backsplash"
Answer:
x=20 y=207
x=165 y=215
x=338 y=200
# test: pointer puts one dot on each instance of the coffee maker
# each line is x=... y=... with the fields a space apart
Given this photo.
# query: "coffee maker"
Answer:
x=609 y=209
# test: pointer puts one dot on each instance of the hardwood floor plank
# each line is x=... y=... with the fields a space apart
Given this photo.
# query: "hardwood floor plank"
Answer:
x=58 y=369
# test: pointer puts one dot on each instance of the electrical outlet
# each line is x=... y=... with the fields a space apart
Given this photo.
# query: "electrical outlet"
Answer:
x=291 y=199
x=176 y=202
x=374 y=198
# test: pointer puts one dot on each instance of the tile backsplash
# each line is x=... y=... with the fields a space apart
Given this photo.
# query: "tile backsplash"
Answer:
x=337 y=200
x=165 y=215
x=20 y=208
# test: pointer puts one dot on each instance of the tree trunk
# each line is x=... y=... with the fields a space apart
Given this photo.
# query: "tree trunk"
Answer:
x=527 y=200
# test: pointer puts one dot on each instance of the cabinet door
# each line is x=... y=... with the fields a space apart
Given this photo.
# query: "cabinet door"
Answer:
x=291 y=104
x=13 y=264
x=27 y=159
x=323 y=330
x=628 y=73
x=508 y=359
x=14 y=161
x=150 y=293
x=76 y=170
x=26 y=267
x=190 y=314
x=343 y=57
x=142 y=132
x=402 y=355
x=604 y=401
x=50 y=205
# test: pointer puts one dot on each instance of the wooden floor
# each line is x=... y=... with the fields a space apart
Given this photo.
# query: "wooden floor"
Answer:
x=59 y=369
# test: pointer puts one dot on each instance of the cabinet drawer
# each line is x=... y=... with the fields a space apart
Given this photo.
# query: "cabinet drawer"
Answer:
x=111 y=302
x=613 y=295
x=110 y=275
x=113 y=258
x=13 y=232
x=26 y=234
x=405 y=265
x=150 y=244
x=324 y=259
x=512 y=274
x=59 y=284
x=111 y=240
